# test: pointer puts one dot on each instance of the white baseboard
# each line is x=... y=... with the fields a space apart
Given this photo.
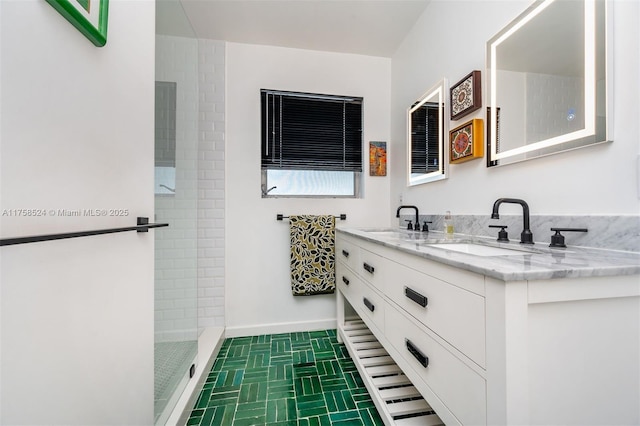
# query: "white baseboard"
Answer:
x=284 y=327
x=209 y=344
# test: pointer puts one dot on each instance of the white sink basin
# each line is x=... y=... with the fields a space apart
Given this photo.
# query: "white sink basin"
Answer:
x=479 y=249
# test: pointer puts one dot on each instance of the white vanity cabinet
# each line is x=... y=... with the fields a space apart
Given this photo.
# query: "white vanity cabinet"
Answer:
x=486 y=351
x=365 y=298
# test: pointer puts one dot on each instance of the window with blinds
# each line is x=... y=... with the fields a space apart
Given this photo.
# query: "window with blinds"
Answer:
x=311 y=144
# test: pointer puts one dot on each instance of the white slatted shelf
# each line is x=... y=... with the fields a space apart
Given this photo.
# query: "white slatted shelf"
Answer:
x=404 y=392
x=364 y=338
x=398 y=402
x=428 y=420
x=383 y=370
x=361 y=346
x=373 y=352
x=391 y=381
x=409 y=407
x=355 y=325
x=378 y=360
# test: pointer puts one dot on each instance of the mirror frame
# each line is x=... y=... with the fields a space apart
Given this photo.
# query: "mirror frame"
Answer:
x=568 y=141
x=440 y=90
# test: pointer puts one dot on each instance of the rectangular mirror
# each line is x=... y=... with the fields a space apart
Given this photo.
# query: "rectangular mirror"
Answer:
x=427 y=158
x=548 y=81
x=165 y=137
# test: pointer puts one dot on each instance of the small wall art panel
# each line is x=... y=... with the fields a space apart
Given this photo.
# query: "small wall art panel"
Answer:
x=466 y=95
x=377 y=158
x=466 y=142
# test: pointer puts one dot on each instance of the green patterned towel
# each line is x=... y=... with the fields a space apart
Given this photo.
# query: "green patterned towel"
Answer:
x=312 y=255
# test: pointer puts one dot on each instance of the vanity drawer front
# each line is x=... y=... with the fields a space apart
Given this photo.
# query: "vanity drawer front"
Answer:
x=348 y=253
x=347 y=281
x=372 y=268
x=360 y=295
x=467 y=280
x=371 y=304
x=460 y=388
x=455 y=314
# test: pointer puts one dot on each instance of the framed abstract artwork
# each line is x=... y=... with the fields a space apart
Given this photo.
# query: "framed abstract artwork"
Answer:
x=88 y=16
x=377 y=158
x=466 y=95
x=466 y=142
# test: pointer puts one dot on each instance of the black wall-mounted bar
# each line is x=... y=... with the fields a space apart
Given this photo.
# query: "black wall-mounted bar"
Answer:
x=143 y=225
x=279 y=216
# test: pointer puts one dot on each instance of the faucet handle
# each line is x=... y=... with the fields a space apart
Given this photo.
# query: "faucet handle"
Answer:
x=425 y=227
x=503 y=236
x=557 y=239
x=409 y=225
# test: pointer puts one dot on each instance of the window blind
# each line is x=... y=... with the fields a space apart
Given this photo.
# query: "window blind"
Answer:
x=425 y=146
x=303 y=131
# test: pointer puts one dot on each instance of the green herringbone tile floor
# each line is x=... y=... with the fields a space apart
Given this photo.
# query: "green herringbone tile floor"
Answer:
x=291 y=379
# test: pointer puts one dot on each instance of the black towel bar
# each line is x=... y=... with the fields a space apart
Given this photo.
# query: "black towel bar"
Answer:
x=142 y=225
x=342 y=216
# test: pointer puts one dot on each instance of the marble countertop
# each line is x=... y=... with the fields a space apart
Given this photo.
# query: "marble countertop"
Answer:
x=525 y=262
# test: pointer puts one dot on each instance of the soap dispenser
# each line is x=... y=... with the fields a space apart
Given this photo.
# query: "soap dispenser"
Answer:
x=448 y=225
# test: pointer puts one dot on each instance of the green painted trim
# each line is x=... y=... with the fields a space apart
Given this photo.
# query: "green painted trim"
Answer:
x=98 y=36
x=85 y=4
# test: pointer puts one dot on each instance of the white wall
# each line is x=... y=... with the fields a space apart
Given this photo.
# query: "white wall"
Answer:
x=76 y=133
x=258 y=292
x=595 y=180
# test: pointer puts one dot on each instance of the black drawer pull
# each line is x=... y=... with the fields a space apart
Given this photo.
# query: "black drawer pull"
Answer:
x=368 y=268
x=416 y=297
x=417 y=354
x=345 y=253
x=345 y=280
x=368 y=304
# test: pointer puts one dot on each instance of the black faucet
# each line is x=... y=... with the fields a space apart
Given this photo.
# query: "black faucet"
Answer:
x=526 y=237
x=417 y=225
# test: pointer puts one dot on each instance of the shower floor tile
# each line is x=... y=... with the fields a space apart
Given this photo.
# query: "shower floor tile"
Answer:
x=290 y=379
x=171 y=362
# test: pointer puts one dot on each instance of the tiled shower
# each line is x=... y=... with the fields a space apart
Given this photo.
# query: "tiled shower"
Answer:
x=189 y=195
x=176 y=202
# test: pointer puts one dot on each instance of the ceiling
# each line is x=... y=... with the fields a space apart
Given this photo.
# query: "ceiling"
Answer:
x=367 y=27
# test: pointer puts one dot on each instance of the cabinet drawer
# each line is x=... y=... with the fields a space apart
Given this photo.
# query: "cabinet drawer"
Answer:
x=348 y=253
x=372 y=268
x=455 y=314
x=467 y=280
x=347 y=281
x=361 y=296
x=371 y=304
x=460 y=388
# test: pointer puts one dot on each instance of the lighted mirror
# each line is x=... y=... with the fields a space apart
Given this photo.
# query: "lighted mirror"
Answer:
x=548 y=81
x=427 y=158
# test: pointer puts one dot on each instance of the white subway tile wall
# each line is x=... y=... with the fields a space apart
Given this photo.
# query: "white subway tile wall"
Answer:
x=555 y=106
x=176 y=247
x=211 y=184
x=190 y=254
